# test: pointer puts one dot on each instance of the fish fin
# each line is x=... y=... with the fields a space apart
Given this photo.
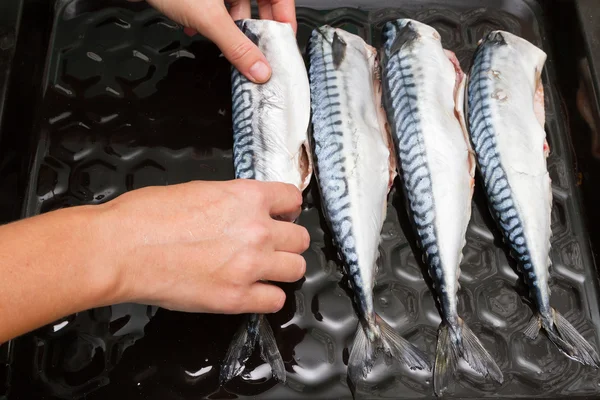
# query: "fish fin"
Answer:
x=571 y=343
x=533 y=328
x=269 y=351
x=445 y=360
x=338 y=48
x=240 y=349
x=364 y=352
x=362 y=356
x=476 y=355
x=396 y=347
x=404 y=35
x=242 y=346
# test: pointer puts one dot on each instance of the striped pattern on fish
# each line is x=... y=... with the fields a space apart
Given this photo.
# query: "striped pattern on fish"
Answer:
x=243 y=109
x=494 y=176
x=506 y=124
x=423 y=86
x=401 y=75
x=329 y=125
x=270 y=143
x=355 y=168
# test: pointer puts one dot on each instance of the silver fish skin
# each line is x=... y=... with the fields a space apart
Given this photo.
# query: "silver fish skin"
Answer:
x=355 y=169
x=423 y=90
x=506 y=117
x=270 y=143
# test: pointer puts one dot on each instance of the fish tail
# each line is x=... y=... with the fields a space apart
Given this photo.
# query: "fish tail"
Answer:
x=458 y=342
x=396 y=347
x=256 y=329
x=362 y=356
x=365 y=351
x=565 y=337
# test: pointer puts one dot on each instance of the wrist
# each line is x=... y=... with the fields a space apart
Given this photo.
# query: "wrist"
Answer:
x=94 y=250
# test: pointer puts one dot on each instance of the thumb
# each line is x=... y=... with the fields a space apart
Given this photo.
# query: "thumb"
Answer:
x=236 y=46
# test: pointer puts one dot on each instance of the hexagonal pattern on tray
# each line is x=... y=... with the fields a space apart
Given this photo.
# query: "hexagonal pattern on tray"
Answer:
x=133 y=102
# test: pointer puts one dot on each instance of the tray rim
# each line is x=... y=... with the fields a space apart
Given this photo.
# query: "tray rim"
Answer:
x=550 y=73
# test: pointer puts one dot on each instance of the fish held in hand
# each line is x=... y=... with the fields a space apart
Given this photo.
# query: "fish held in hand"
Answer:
x=270 y=143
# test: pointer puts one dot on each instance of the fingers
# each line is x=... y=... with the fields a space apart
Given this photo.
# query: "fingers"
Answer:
x=289 y=237
x=283 y=199
x=239 y=9
x=264 y=298
x=283 y=267
x=264 y=9
x=284 y=11
x=235 y=45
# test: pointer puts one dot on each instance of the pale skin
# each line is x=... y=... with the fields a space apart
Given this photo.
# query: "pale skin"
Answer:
x=196 y=247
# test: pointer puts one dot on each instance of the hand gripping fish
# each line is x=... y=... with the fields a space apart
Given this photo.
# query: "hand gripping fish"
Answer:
x=506 y=119
x=423 y=89
x=355 y=169
x=270 y=143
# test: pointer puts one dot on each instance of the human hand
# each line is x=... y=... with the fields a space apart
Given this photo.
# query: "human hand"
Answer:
x=211 y=19
x=204 y=246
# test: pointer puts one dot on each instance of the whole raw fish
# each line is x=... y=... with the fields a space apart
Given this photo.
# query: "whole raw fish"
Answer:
x=423 y=87
x=355 y=169
x=506 y=122
x=270 y=143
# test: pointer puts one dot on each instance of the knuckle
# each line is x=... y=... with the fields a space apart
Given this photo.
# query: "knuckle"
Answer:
x=258 y=234
x=251 y=191
x=246 y=263
x=240 y=185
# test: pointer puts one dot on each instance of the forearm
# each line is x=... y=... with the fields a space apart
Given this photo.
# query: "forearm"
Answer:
x=196 y=247
x=51 y=266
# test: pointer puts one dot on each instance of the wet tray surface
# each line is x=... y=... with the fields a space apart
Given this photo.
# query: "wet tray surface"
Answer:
x=130 y=101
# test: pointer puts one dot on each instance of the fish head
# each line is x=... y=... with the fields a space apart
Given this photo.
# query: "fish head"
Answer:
x=529 y=54
x=404 y=32
x=258 y=29
x=341 y=44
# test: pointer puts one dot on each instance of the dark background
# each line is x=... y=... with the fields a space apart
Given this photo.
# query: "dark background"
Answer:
x=131 y=351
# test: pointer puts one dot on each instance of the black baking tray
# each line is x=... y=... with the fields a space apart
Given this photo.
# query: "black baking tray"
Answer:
x=111 y=96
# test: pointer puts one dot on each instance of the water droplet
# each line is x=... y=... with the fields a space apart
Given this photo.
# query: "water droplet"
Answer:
x=384 y=301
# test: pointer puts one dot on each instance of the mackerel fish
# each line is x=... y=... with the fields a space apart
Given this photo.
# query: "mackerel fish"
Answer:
x=423 y=92
x=506 y=117
x=270 y=143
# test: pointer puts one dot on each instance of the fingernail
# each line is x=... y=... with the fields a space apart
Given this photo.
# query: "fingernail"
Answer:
x=189 y=31
x=260 y=72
